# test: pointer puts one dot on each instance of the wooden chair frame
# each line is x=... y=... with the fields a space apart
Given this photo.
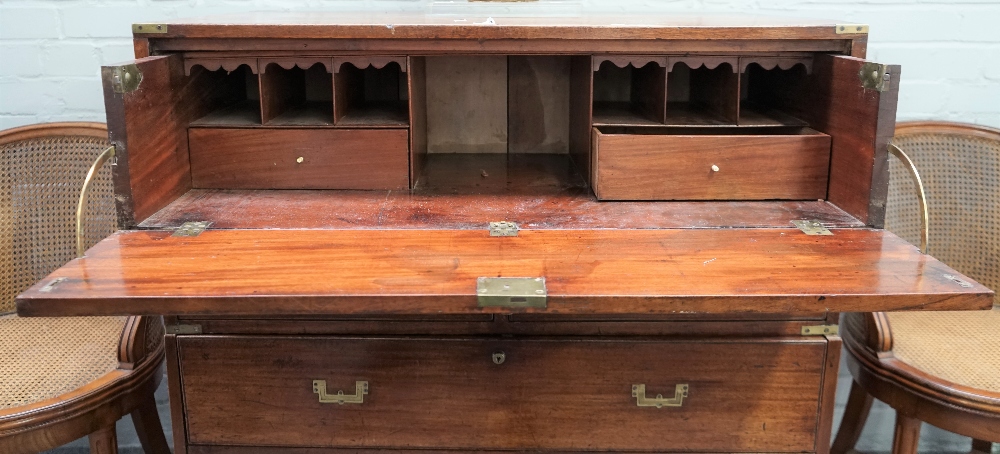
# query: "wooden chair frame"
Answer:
x=915 y=395
x=94 y=409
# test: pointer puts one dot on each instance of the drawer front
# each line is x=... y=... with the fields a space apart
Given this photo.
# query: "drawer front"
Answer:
x=709 y=167
x=299 y=158
x=542 y=394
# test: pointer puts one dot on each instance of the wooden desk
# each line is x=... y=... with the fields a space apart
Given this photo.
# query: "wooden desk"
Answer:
x=350 y=167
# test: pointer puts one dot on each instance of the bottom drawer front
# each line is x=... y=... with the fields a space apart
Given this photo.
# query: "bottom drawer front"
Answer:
x=513 y=394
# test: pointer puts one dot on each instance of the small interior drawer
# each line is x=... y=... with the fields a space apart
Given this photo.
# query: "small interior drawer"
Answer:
x=503 y=394
x=262 y=158
x=788 y=163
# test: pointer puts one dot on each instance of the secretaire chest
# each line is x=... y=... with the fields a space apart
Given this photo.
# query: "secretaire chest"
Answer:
x=506 y=234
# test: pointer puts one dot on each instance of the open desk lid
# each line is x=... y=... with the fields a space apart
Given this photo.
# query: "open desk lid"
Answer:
x=596 y=272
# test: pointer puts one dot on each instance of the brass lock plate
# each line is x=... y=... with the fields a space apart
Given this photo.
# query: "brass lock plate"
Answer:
x=125 y=79
x=193 y=228
x=874 y=76
x=515 y=292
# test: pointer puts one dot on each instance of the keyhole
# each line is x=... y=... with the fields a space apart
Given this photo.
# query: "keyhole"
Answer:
x=499 y=358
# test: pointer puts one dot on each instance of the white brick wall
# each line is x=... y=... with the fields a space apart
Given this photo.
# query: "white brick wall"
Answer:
x=51 y=50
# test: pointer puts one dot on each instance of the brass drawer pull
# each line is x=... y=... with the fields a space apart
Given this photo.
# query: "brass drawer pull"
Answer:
x=361 y=388
x=639 y=392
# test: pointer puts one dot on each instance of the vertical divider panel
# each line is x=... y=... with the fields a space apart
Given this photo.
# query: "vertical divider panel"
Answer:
x=417 y=87
x=581 y=92
x=278 y=90
x=712 y=91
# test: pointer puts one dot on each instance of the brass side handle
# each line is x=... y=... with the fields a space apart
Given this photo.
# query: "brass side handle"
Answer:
x=81 y=204
x=360 y=389
x=680 y=392
x=921 y=195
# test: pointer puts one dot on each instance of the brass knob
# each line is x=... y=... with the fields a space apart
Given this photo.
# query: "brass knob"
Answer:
x=300 y=159
x=499 y=357
x=715 y=168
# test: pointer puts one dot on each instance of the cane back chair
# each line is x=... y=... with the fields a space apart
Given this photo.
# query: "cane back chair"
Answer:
x=65 y=378
x=942 y=368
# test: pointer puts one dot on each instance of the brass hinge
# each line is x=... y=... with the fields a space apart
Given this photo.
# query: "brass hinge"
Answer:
x=874 y=76
x=193 y=228
x=503 y=228
x=517 y=292
x=125 y=78
x=183 y=329
x=149 y=28
x=851 y=29
x=812 y=227
x=821 y=330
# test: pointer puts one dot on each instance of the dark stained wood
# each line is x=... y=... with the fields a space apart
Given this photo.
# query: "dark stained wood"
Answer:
x=269 y=158
x=717 y=90
x=417 y=88
x=860 y=122
x=405 y=25
x=828 y=393
x=427 y=47
x=680 y=167
x=572 y=208
x=140 y=47
x=176 y=395
x=662 y=326
x=417 y=386
x=148 y=428
x=859 y=404
x=275 y=272
x=280 y=89
x=148 y=128
x=581 y=89
x=369 y=95
x=981 y=446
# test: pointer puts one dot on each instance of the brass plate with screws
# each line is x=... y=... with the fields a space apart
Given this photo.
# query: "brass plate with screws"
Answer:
x=125 y=79
x=821 y=330
x=515 y=292
x=149 y=28
x=192 y=228
x=503 y=228
x=874 y=76
x=852 y=29
x=812 y=227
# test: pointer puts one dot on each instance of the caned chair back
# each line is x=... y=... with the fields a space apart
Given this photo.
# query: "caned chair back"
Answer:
x=42 y=169
x=960 y=169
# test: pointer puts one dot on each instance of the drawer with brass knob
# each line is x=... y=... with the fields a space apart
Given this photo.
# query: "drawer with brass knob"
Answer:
x=503 y=394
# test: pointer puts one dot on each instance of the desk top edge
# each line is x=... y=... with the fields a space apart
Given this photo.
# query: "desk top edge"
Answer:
x=328 y=25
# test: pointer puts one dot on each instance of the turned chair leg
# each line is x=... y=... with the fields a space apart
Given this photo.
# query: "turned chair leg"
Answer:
x=859 y=403
x=981 y=446
x=907 y=435
x=104 y=441
x=148 y=427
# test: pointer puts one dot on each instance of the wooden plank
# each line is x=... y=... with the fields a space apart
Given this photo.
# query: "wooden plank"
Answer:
x=712 y=167
x=299 y=158
x=417 y=89
x=280 y=90
x=577 y=393
x=148 y=127
x=283 y=272
x=404 y=25
x=574 y=208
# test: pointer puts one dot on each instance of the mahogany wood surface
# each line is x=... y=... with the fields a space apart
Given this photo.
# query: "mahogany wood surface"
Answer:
x=569 y=208
x=434 y=271
x=269 y=158
x=859 y=120
x=755 y=395
x=417 y=88
x=404 y=25
x=148 y=129
x=680 y=167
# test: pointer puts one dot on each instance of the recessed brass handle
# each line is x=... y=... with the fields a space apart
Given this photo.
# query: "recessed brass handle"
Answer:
x=921 y=195
x=639 y=392
x=360 y=389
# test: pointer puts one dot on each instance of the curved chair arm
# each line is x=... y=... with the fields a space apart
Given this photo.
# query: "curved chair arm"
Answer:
x=134 y=344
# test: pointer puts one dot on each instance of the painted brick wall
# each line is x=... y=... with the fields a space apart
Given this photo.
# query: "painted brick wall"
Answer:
x=51 y=50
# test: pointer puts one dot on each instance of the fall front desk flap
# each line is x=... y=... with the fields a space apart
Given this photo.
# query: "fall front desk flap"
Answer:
x=582 y=272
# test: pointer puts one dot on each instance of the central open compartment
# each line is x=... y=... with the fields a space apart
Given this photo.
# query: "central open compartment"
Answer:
x=493 y=124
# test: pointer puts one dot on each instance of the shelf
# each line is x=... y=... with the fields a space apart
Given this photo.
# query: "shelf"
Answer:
x=308 y=114
x=385 y=114
x=242 y=114
x=693 y=114
x=620 y=114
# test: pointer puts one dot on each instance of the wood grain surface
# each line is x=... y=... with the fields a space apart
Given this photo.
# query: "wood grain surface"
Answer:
x=277 y=272
x=712 y=167
x=756 y=395
x=319 y=25
x=557 y=208
x=299 y=158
